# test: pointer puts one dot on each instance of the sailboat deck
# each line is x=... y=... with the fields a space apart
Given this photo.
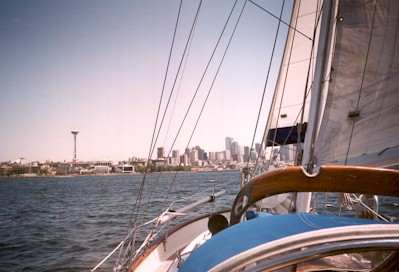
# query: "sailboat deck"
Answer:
x=250 y=234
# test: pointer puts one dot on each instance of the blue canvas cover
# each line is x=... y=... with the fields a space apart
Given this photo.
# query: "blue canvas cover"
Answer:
x=241 y=237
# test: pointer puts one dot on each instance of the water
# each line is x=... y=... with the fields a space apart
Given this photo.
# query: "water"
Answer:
x=72 y=223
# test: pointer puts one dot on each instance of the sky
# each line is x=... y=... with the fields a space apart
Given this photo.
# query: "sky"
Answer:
x=99 y=67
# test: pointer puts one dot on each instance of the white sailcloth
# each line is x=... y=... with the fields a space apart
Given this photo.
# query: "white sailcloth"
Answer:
x=291 y=83
x=360 y=125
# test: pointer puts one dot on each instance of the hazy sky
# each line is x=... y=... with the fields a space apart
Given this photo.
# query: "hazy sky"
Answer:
x=98 y=67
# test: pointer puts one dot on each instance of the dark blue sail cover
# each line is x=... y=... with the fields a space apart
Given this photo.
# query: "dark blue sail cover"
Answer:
x=285 y=135
x=241 y=237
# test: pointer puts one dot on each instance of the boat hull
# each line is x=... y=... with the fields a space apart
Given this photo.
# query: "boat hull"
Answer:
x=164 y=253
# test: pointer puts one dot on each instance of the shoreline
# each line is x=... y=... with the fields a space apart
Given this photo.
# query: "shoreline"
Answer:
x=110 y=174
x=68 y=176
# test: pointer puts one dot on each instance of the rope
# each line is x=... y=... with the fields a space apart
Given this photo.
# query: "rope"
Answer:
x=345 y=200
x=358 y=200
x=109 y=255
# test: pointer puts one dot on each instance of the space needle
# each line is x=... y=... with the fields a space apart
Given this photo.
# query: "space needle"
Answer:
x=74 y=132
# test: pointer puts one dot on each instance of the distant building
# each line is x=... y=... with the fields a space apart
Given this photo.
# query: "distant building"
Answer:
x=222 y=155
x=101 y=169
x=228 y=142
x=200 y=152
x=235 y=149
x=193 y=155
x=175 y=157
x=19 y=170
x=185 y=160
x=126 y=168
x=160 y=153
x=212 y=156
x=103 y=163
x=5 y=170
x=160 y=162
x=246 y=153
x=64 y=169
x=253 y=155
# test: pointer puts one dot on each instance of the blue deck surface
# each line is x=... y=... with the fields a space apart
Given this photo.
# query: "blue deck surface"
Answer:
x=252 y=233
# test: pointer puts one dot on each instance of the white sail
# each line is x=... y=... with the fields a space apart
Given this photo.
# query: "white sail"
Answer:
x=298 y=55
x=360 y=125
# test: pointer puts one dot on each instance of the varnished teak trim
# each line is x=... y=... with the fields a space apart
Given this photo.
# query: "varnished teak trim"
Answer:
x=340 y=179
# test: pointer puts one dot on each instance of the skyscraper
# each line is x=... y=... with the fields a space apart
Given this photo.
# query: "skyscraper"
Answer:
x=160 y=152
x=235 y=148
x=176 y=156
x=229 y=142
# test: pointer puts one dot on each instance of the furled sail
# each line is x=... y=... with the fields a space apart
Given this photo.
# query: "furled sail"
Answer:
x=292 y=84
x=360 y=124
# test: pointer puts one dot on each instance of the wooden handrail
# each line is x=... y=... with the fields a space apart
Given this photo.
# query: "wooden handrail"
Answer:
x=339 y=179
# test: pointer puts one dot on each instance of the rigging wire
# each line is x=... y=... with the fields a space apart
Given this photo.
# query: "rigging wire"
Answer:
x=280 y=20
x=306 y=89
x=188 y=110
x=266 y=83
x=135 y=210
x=190 y=39
x=177 y=74
x=153 y=143
x=217 y=72
x=264 y=138
x=200 y=83
x=173 y=87
x=201 y=80
x=284 y=85
x=179 y=87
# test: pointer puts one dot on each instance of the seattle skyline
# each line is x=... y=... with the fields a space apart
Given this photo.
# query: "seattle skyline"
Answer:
x=74 y=152
x=99 y=67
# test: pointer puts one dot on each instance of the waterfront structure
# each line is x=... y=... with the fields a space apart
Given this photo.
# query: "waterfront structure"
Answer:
x=74 y=133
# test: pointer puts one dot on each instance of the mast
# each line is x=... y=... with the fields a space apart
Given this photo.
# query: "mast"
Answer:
x=291 y=81
x=323 y=50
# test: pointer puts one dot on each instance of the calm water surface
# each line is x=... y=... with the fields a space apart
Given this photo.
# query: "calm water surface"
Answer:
x=72 y=223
